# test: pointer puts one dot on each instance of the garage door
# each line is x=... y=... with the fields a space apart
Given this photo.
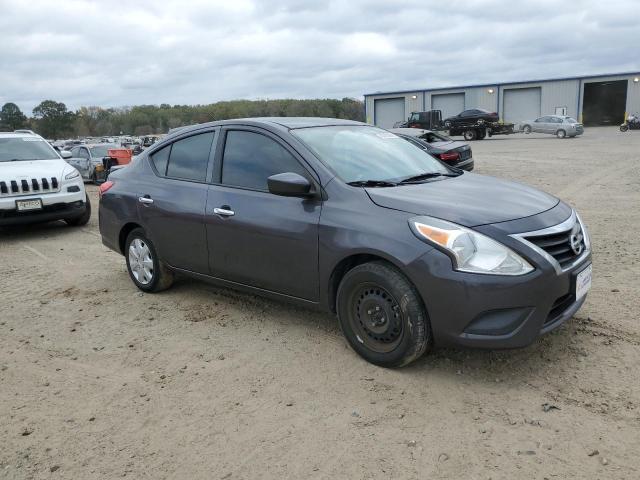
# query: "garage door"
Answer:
x=521 y=104
x=450 y=103
x=388 y=111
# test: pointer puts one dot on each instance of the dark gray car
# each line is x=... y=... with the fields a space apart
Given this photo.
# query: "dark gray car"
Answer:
x=354 y=220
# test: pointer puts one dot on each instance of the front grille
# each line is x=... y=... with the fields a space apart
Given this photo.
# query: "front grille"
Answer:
x=564 y=246
x=28 y=186
x=559 y=307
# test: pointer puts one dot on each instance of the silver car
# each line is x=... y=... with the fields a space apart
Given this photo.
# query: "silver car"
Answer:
x=559 y=125
x=88 y=160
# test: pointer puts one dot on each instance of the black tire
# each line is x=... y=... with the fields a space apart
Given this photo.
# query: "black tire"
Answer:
x=527 y=129
x=382 y=315
x=469 y=135
x=561 y=134
x=161 y=277
x=82 y=219
x=447 y=123
x=624 y=128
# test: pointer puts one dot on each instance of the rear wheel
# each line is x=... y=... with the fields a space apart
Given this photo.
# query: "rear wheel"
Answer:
x=561 y=133
x=382 y=316
x=624 y=128
x=469 y=135
x=82 y=219
x=146 y=270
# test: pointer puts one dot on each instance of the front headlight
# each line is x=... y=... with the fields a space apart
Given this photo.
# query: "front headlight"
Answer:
x=470 y=251
x=72 y=175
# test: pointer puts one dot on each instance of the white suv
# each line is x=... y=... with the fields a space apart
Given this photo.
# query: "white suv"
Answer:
x=37 y=185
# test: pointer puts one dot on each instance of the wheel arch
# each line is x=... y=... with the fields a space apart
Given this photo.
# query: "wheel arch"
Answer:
x=126 y=229
x=347 y=263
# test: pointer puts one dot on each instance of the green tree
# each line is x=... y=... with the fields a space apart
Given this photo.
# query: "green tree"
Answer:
x=53 y=119
x=11 y=117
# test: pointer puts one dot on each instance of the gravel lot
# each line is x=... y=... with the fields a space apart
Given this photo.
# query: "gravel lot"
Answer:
x=98 y=380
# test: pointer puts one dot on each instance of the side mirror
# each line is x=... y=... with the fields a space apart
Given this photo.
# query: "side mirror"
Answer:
x=289 y=185
x=65 y=154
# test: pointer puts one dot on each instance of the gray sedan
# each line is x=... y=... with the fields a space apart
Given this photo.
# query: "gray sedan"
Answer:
x=559 y=125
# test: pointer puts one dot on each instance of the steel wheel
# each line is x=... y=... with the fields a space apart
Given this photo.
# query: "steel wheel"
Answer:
x=376 y=318
x=141 y=261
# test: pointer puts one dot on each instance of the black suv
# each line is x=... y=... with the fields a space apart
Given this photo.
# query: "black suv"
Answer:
x=351 y=219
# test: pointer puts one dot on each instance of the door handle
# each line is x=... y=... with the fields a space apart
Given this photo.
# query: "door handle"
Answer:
x=146 y=200
x=224 y=211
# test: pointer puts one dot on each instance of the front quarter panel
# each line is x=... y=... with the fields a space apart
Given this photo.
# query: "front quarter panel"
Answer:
x=351 y=224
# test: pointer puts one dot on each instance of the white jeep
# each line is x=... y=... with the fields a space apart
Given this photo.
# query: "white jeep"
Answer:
x=37 y=185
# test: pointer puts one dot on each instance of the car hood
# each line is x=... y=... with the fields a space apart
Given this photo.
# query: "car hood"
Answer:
x=28 y=169
x=468 y=199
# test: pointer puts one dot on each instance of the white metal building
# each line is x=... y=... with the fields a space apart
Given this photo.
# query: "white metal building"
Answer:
x=594 y=100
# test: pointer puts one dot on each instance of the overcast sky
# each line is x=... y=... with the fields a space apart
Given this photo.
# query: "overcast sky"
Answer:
x=125 y=52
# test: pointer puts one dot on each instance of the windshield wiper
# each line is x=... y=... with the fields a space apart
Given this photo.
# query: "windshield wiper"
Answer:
x=426 y=176
x=372 y=183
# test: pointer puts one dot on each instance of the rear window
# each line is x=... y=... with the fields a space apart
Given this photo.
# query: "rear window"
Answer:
x=189 y=157
x=25 y=148
x=160 y=160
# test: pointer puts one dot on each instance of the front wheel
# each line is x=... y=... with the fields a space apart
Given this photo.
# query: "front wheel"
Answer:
x=82 y=219
x=527 y=129
x=146 y=270
x=624 y=128
x=561 y=134
x=382 y=315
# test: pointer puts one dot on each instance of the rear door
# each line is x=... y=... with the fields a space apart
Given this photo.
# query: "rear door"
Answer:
x=171 y=203
x=256 y=238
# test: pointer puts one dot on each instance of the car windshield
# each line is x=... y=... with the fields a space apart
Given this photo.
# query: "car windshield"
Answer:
x=14 y=149
x=101 y=150
x=359 y=153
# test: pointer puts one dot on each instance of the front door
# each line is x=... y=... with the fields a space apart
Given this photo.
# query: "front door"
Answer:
x=256 y=238
x=81 y=160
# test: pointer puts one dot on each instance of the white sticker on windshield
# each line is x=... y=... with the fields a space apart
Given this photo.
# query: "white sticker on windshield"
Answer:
x=387 y=135
x=32 y=139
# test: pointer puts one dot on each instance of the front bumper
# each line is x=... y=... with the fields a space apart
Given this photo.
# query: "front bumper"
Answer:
x=55 y=206
x=495 y=311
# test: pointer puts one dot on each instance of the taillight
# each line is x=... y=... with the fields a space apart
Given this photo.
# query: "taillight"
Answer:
x=105 y=187
x=449 y=156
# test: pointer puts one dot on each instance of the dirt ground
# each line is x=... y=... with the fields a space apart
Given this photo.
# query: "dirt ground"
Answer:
x=100 y=381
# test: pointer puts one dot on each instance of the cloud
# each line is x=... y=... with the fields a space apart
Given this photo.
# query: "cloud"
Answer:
x=116 y=52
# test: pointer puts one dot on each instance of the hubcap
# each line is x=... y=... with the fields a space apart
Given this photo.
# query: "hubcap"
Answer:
x=377 y=318
x=141 y=261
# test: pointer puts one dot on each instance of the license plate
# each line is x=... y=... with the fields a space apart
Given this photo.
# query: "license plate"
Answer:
x=23 y=205
x=583 y=282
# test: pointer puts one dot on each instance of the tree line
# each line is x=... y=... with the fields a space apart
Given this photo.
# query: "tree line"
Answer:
x=53 y=120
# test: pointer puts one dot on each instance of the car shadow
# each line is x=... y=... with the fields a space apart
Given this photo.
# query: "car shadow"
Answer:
x=34 y=230
x=487 y=366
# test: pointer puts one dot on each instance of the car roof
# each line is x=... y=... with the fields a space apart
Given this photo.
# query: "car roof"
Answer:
x=282 y=122
x=98 y=145
x=411 y=132
x=19 y=135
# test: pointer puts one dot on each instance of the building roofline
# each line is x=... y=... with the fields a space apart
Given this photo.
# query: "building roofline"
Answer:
x=500 y=84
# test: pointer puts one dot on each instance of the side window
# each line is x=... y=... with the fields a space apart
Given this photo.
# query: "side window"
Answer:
x=189 y=157
x=74 y=151
x=250 y=158
x=83 y=153
x=160 y=159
